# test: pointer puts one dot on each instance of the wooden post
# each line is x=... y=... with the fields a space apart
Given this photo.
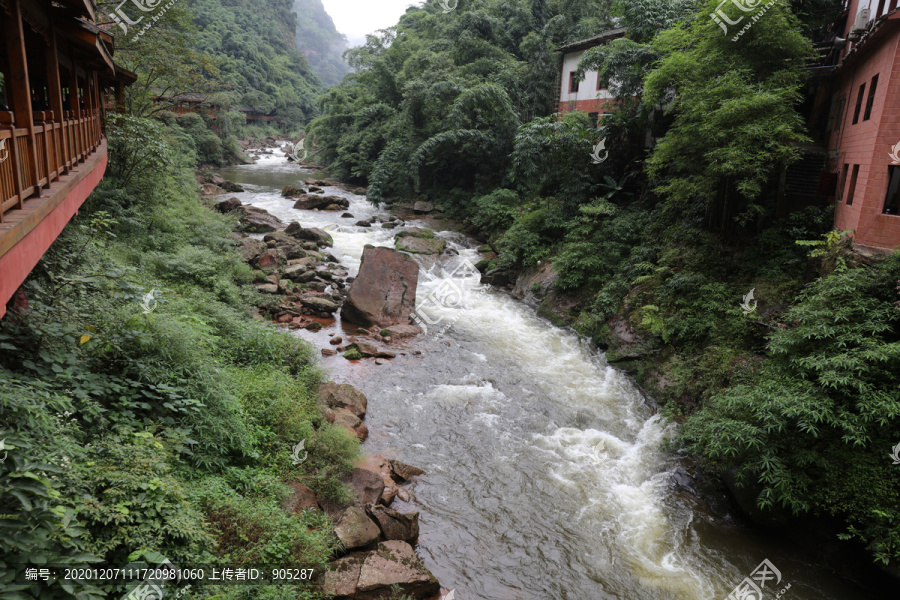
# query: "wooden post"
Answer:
x=120 y=97
x=76 y=109
x=7 y=120
x=21 y=90
x=96 y=80
x=54 y=88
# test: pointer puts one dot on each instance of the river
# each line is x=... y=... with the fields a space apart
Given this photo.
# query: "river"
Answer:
x=545 y=477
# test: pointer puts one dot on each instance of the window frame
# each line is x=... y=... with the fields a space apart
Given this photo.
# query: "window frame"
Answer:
x=870 y=100
x=859 y=102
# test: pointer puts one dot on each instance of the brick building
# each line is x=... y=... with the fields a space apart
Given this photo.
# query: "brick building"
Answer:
x=864 y=123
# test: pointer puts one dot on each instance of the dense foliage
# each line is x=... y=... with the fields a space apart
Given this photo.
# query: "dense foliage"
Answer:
x=140 y=428
x=664 y=237
x=229 y=54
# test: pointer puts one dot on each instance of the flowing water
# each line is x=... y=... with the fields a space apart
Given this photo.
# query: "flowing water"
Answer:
x=545 y=479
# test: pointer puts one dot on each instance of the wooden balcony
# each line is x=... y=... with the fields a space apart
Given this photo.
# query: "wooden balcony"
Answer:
x=59 y=146
x=53 y=56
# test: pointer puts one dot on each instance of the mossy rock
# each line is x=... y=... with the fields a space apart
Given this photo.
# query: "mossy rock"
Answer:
x=314 y=326
x=352 y=354
x=260 y=277
x=416 y=232
x=419 y=245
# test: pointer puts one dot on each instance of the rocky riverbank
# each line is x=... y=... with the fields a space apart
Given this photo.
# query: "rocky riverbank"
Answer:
x=306 y=286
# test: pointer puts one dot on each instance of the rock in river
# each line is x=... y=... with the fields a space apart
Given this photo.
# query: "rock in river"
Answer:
x=384 y=292
x=395 y=563
x=311 y=201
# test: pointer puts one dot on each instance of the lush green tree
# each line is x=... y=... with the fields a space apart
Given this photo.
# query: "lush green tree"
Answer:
x=813 y=430
x=735 y=122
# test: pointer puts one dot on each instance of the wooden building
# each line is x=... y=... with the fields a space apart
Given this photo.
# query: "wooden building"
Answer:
x=56 y=66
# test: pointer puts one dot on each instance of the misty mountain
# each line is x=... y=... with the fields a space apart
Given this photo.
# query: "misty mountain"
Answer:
x=320 y=41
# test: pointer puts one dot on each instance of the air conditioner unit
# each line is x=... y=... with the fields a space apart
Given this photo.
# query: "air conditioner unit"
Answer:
x=862 y=21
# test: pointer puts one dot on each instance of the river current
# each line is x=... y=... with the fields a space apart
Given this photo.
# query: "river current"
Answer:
x=546 y=476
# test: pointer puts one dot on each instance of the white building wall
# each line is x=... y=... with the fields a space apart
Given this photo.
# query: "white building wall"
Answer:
x=587 y=89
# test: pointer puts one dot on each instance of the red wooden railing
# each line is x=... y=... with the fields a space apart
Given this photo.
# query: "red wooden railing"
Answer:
x=59 y=145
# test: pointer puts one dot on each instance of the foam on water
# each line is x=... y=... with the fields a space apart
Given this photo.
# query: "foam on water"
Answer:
x=545 y=474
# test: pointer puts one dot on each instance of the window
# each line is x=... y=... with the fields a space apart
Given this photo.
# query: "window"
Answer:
x=852 y=191
x=892 y=200
x=573 y=83
x=598 y=82
x=871 y=100
x=842 y=182
x=859 y=99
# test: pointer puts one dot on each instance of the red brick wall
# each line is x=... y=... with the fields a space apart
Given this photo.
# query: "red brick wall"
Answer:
x=587 y=106
x=868 y=144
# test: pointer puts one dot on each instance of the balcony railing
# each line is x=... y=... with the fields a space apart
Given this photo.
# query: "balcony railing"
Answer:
x=59 y=144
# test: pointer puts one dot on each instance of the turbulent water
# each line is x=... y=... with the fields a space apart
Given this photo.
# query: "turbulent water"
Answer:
x=546 y=477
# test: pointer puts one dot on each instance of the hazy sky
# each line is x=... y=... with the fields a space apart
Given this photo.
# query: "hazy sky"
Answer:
x=356 y=18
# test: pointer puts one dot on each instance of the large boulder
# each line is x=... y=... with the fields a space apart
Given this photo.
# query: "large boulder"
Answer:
x=290 y=191
x=250 y=248
x=421 y=207
x=301 y=498
x=395 y=525
x=322 y=305
x=356 y=530
x=403 y=471
x=403 y=330
x=311 y=201
x=384 y=291
x=228 y=205
x=380 y=465
x=339 y=581
x=367 y=484
x=294 y=229
x=210 y=189
x=417 y=240
x=415 y=245
x=257 y=220
x=343 y=395
x=395 y=563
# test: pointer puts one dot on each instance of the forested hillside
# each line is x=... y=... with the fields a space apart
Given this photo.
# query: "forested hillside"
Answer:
x=232 y=53
x=794 y=403
x=320 y=42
